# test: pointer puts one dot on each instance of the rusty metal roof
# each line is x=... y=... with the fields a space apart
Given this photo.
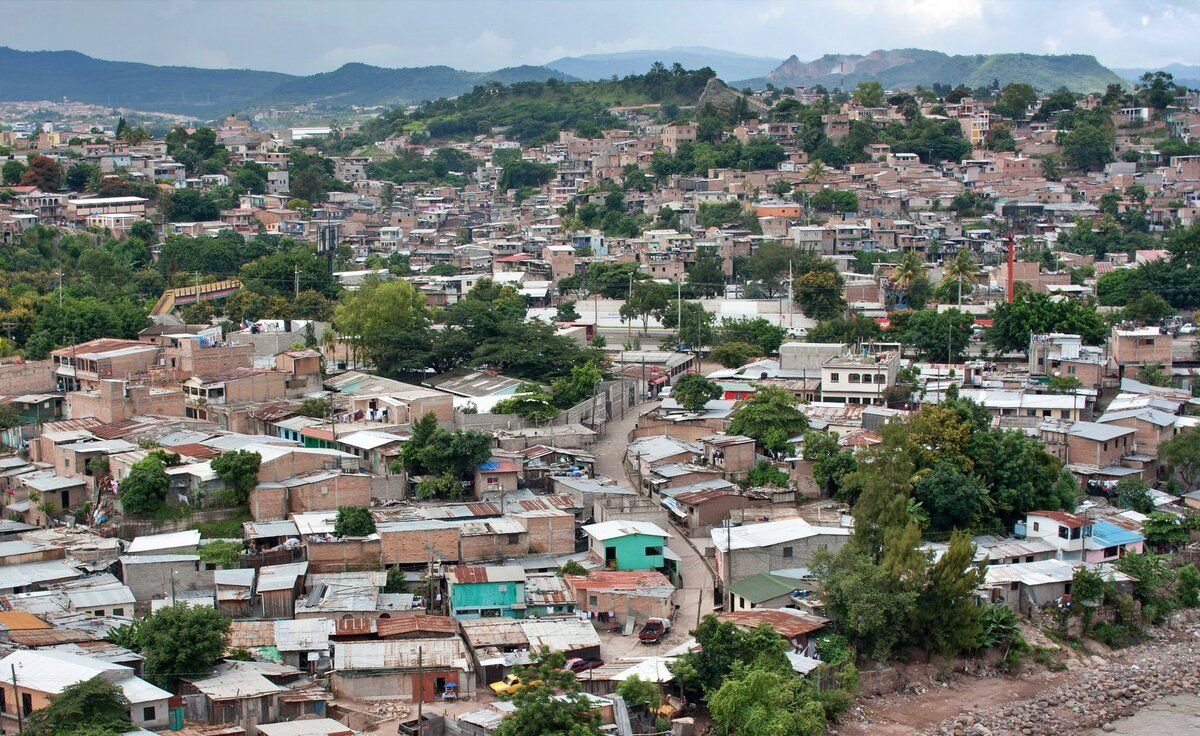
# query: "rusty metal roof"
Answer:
x=695 y=498
x=789 y=622
x=416 y=623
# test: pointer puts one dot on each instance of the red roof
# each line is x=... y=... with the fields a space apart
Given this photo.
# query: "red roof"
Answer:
x=465 y=574
x=695 y=498
x=788 y=624
x=1062 y=517
x=417 y=623
x=618 y=580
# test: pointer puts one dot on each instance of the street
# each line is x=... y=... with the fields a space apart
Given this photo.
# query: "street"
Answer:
x=695 y=597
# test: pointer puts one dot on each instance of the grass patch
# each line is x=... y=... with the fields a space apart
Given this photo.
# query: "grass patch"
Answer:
x=225 y=529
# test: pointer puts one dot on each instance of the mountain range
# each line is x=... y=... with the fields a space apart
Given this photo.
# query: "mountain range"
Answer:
x=1185 y=74
x=209 y=93
x=727 y=64
x=909 y=67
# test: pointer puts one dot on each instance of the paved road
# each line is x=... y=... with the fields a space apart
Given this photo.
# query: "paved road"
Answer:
x=695 y=598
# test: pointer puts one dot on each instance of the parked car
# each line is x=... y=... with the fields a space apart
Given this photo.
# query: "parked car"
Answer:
x=511 y=684
x=1187 y=329
x=583 y=664
x=654 y=630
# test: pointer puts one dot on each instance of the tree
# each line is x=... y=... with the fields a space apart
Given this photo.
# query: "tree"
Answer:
x=911 y=281
x=765 y=474
x=238 y=470
x=707 y=274
x=941 y=337
x=455 y=453
x=80 y=175
x=1182 y=453
x=693 y=391
x=1014 y=100
x=378 y=313
x=1154 y=375
x=871 y=607
x=9 y=417
x=1012 y=322
x=1088 y=147
x=12 y=172
x=760 y=702
x=770 y=417
x=566 y=312
x=733 y=354
x=1165 y=532
x=953 y=499
x=640 y=694
x=869 y=94
x=694 y=327
x=43 y=173
x=181 y=641
x=94 y=707
x=723 y=647
x=946 y=610
x=1052 y=167
x=960 y=271
x=554 y=707
x=646 y=298
x=145 y=488
x=819 y=293
x=188 y=205
x=353 y=521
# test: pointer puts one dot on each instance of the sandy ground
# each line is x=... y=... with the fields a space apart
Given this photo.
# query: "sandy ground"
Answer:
x=894 y=715
x=1178 y=714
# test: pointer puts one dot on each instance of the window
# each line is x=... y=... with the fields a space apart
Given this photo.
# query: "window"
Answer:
x=148 y=713
x=118 y=612
x=593 y=601
x=1036 y=526
x=3 y=701
x=853 y=378
x=834 y=378
x=1110 y=552
x=26 y=703
x=1013 y=586
x=1064 y=532
x=880 y=378
x=788 y=552
x=653 y=551
x=492 y=480
x=514 y=538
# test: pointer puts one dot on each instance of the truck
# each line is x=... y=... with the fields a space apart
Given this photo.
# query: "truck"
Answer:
x=654 y=630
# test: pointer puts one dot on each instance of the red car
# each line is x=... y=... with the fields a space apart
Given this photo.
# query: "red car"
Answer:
x=579 y=664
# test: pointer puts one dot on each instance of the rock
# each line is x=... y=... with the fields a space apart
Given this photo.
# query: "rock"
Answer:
x=1108 y=728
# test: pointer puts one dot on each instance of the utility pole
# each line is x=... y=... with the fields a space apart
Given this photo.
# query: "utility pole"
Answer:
x=60 y=293
x=17 y=698
x=679 y=305
x=296 y=280
x=629 y=324
x=419 y=688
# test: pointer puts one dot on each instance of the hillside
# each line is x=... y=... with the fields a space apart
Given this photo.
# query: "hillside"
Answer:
x=727 y=64
x=910 y=67
x=54 y=75
x=1186 y=74
x=208 y=93
x=362 y=84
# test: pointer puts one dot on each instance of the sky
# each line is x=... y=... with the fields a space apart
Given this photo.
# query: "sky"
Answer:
x=304 y=37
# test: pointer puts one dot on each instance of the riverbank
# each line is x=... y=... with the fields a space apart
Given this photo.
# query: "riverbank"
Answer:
x=1102 y=695
x=1177 y=714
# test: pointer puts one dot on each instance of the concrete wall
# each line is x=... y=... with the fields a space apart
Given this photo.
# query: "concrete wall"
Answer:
x=28 y=377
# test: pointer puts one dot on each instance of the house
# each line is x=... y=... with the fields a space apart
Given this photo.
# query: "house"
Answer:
x=1026 y=586
x=707 y=507
x=859 y=379
x=482 y=592
x=416 y=670
x=751 y=549
x=1067 y=533
x=307 y=727
x=279 y=586
x=1099 y=445
x=732 y=454
x=1110 y=542
x=793 y=625
x=618 y=595
x=233 y=694
x=30 y=678
x=1134 y=347
x=628 y=545
x=1153 y=427
x=154 y=576
x=766 y=590
x=497 y=475
x=547 y=595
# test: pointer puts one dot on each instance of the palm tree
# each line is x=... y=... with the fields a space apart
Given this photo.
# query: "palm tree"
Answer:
x=815 y=172
x=907 y=271
x=960 y=268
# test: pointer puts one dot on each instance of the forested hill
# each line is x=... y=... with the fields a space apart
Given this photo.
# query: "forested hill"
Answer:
x=55 y=75
x=534 y=112
x=210 y=93
x=910 y=67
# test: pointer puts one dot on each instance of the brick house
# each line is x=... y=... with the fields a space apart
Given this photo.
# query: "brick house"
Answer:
x=622 y=594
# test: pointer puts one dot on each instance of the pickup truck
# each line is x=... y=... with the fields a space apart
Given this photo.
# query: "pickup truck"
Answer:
x=511 y=684
x=654 y=630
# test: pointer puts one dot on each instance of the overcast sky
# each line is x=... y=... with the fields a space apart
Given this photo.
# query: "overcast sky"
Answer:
x=302 y=37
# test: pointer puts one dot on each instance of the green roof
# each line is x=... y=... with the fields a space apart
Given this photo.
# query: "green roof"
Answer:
x=763 y=587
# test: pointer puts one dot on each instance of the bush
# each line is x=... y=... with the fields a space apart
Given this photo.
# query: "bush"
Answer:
x=353 y=521
x=221 y=552
x=1112 y=635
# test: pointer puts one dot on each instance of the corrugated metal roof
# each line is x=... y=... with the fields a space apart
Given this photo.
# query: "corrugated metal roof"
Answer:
x=560 y=634
x=484 y=632
x=789 y=622
x=401 y=654
x=415 y=623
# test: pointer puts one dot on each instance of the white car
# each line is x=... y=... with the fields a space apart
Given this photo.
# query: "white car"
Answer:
x=1187 y=329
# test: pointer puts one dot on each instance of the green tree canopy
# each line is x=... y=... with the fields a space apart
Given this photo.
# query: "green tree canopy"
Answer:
x=238 y=470
x=770 y=416
x=144 y=490
x=353 y=521
x=94 y=707
x=181 y=641
x=693 y=391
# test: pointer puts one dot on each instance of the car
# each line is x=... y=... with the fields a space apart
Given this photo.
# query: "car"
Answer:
x=654 y=630
x=583 y=664
x=512 y=684
x=1187 y=329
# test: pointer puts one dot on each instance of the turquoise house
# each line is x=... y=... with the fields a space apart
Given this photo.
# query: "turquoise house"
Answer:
x=486 y=592
x=629 y=545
